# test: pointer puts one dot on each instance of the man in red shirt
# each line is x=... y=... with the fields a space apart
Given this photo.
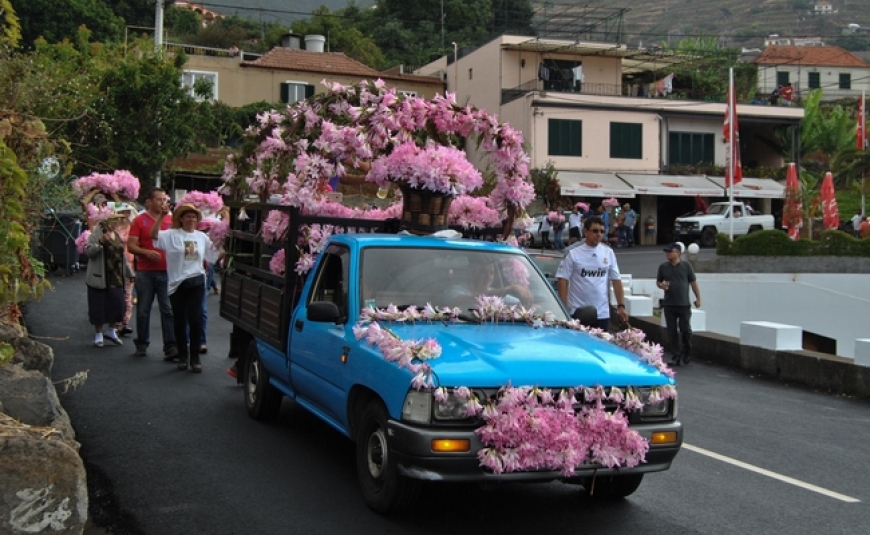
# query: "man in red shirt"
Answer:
x=787 y=93
x=151 y=278
x=864 y=229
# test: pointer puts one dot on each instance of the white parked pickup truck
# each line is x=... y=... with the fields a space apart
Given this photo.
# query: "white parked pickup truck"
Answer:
x=704 y=227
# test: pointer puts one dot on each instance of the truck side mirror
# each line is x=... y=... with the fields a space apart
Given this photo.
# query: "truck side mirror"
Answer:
x=587 y=315
x=323 y=311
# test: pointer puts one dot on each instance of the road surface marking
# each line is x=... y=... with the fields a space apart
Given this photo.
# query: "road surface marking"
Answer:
x=774 y=475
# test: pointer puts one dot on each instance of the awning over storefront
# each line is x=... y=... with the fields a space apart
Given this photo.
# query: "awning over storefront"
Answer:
x=577 y=184
x=673 y=185
x=754 y=188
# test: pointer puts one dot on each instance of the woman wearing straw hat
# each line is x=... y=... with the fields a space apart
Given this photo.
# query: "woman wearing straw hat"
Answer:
x=106 y=279
x=187 y=249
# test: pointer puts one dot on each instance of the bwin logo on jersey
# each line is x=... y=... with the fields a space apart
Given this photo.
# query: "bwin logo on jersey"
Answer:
x=600 y=272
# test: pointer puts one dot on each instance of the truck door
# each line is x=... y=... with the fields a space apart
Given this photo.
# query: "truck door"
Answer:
x=739 y=214
x=317 y=348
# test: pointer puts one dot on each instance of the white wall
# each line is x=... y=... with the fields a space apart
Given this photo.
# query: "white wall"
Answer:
x=832 y=305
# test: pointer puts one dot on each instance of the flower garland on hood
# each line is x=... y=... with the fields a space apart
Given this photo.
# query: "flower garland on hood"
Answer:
x=530 y=428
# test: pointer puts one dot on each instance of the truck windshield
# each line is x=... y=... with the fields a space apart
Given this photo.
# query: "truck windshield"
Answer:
x=452 y=278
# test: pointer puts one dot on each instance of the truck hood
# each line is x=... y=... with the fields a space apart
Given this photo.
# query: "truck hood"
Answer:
x=489 y=356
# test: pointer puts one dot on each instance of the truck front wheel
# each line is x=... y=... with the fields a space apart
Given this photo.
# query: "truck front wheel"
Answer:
x=611 y=487
x=262 y=399
x=708 y=237
x=384 y=489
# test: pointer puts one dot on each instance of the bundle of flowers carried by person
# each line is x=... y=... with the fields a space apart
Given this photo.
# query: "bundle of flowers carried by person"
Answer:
x=120 y=184
x=582 y=207
x=610 y=203
x=556 y=218
x=209 y=203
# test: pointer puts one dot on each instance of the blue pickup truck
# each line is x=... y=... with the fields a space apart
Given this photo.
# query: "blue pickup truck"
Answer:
x=413 y=421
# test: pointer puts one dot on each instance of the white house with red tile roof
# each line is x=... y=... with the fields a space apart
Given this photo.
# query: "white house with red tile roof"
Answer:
x=836 y=71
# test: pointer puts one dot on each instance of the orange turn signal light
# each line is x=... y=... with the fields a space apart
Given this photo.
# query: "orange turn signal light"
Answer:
x=663 y=437
x=451 y=445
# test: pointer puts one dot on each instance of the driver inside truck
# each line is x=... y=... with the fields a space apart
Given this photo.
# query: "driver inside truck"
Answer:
x=738 y=212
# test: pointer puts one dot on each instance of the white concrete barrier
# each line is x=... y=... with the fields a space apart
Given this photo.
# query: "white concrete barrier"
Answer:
x=698 y=321
x=770 y=335
x=862 y=352
x=638 y=305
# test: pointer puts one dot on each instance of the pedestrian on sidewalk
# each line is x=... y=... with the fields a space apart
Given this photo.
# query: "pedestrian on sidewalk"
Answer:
x=544 y=230
x=574 y=222
x=675 y=277
x=151 y=278
x=106 y=278
x=187 y=250
x=585 y=273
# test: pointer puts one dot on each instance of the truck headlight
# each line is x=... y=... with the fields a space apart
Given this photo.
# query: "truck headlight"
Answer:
x=654 y=410
x=452 y=408
x=417 y=407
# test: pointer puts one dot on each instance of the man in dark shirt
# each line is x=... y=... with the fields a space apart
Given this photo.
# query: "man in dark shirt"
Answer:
x=675 y=277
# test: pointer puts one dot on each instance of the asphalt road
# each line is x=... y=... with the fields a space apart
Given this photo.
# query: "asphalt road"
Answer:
x=172 y=452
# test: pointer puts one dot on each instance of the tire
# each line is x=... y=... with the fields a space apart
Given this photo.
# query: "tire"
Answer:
x=261 y=399
x=384 y=489
x=611 y=487
x=708 y=237
x=754 y=228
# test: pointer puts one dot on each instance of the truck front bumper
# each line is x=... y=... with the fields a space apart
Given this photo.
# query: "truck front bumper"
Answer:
x=411 y=447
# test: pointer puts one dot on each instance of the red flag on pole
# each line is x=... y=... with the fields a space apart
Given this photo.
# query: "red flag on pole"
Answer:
x=732 y=138
x=860 y=127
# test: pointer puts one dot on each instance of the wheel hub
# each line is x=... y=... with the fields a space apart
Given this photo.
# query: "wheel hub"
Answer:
x=376 y=453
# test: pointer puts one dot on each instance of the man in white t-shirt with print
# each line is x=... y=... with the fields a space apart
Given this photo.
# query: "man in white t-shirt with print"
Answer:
x=585 y=272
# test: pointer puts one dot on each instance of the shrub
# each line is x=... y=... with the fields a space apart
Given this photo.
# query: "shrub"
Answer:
x=777 y=243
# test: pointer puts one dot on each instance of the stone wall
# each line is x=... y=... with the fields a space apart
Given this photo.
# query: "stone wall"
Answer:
x=43 y=484
x=781 y=264
x=818 y=371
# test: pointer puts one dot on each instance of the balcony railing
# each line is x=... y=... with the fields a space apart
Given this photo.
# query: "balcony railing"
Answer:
x=195 y=50
x=623 y=90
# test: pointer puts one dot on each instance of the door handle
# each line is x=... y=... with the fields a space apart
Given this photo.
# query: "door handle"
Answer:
x=298 y=325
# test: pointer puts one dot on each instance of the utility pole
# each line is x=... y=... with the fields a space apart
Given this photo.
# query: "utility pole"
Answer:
x=158 y=47
x=158 y=26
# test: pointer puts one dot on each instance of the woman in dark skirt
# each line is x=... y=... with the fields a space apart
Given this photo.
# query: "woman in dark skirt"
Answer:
x=106 y=277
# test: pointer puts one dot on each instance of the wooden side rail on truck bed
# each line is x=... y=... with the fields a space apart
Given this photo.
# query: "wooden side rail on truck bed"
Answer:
x=252 y=297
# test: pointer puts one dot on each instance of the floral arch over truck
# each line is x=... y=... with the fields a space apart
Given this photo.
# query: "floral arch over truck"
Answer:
x=390 y=138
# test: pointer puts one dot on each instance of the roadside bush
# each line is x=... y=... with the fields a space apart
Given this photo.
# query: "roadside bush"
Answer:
x=777 y=243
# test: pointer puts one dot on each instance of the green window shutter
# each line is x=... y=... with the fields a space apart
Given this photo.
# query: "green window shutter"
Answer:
x=845 y=80
x=309 y=91
x=285 y=92
x=813 y=80
x=690 y=148
x=782 y=77
x=564 y=137
x=626 y=140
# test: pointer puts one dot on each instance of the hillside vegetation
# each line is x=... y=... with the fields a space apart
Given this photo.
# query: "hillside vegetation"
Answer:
x=743 y=23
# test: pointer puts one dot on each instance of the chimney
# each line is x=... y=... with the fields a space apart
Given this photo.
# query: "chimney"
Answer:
x=314 y=43
x=291 y=40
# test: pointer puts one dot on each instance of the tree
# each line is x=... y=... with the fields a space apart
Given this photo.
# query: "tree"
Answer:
x=142 y=118
x=825 y=132
x=182 y=22
x=10 y=25
x=56 y=21
x=342 y=34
